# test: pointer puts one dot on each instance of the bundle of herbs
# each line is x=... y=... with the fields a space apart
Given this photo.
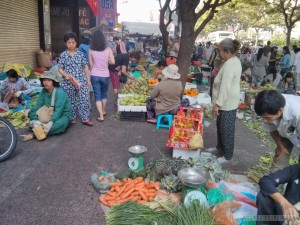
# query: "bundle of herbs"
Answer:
x=133 y=213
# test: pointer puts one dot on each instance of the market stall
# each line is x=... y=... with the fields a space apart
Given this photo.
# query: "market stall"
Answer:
x=177 y=191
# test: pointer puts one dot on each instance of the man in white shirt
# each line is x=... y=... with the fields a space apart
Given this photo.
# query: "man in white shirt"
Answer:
x=207 y=51
x=281 y=116
x=176 y=47
x=296 y=65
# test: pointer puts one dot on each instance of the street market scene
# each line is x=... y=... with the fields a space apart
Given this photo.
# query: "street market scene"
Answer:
x=157 y=112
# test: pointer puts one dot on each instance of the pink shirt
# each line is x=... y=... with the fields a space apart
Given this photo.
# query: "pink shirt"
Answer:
x=100 y=59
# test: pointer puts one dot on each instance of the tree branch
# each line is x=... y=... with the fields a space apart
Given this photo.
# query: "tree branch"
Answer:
x=207 y=5
x=205 y=21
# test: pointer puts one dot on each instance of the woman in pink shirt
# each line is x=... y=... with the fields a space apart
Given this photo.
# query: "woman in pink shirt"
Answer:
x=100 y=55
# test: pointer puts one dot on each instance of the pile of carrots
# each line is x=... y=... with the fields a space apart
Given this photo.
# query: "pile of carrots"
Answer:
x=136 y=190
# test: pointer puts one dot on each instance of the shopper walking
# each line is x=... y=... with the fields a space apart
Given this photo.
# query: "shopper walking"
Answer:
x=99 y=57
x=73 y=67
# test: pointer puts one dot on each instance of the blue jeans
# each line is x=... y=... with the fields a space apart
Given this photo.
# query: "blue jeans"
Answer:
x=100 y=86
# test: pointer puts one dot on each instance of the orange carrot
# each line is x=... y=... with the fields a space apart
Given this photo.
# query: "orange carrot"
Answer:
x=149 y=194
x=145 y=190
x=112 y=189
x=111 y=203
x=135 y=193
x=109 y=198
x=141 y=184
x=144 y=197
x=117 y=188
x=136 y=198
x=121 y=190
x=115 y=184
x=152 y=190
x=151 y=185
x=129 y=186
x=110 y=193
x=127 y=194
x=103 y=201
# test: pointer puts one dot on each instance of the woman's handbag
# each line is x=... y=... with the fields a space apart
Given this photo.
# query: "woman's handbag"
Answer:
x=122 y=78
x=44 y=113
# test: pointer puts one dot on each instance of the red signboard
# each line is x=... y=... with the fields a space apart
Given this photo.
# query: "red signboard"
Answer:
x=94 y=6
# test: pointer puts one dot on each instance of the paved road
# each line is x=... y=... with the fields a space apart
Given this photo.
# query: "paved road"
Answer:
x=47 y=182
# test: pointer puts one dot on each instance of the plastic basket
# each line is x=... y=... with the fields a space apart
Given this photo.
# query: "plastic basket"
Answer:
x=133 y=116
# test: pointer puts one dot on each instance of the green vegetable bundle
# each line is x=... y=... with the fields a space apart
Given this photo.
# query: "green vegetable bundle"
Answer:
x=16 y=119
x=131 y=213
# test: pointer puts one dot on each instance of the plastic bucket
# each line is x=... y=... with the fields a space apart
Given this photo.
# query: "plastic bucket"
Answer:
x=39 y=132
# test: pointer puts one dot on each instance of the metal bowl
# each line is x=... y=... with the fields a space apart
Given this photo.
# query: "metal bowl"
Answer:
x=137 y=149
x=192 y=177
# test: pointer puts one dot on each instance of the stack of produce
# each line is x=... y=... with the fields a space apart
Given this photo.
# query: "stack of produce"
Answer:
x=165 y=170
x=192 y=92
x=135 y=100
x=244 y=84
x=152 y=82
x=16 y=118
x=136 y=190
x=137 y=86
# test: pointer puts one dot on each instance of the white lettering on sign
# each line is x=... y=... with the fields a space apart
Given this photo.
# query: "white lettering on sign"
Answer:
x=82 y=12
x=107 y=4
x=60 y=11
x=84 y=22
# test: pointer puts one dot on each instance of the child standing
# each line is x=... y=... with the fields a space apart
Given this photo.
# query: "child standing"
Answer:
x=73 y=64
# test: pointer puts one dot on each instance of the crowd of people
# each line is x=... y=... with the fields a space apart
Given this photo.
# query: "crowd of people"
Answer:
x=90 y=68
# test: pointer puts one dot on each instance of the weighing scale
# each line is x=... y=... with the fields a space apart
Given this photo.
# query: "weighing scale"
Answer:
x=191 y=179
x=136 y=161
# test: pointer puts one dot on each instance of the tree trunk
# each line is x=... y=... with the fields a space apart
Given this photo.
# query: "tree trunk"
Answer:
x=165 y=38
x=288 y=36
x=188 y=21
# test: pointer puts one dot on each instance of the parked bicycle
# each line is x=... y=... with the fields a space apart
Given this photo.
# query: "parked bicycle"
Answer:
x=8 y=139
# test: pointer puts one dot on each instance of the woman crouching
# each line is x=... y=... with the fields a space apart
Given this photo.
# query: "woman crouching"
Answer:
x=52 y=112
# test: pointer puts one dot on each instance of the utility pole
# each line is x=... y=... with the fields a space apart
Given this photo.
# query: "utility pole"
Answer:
x=122 y=29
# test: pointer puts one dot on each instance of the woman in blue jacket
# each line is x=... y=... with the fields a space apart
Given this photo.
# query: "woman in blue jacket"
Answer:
x=285 y=61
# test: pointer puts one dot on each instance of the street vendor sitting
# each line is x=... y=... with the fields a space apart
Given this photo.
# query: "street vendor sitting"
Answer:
x=53 y=109
x=272 y=203
x=12 y=88
x=157 y=73
x=281 y=116
x=166 y=95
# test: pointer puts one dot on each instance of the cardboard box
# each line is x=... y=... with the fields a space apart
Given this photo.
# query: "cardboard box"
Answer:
x=203 y=98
